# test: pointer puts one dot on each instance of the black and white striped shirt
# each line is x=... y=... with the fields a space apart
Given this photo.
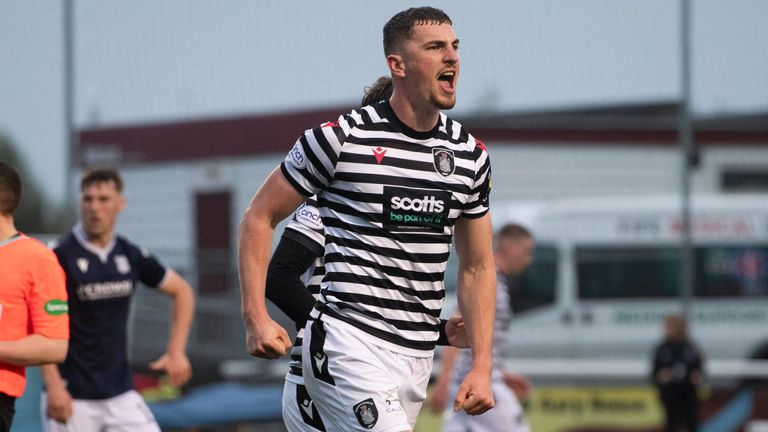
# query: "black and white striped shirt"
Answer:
x=389 y=197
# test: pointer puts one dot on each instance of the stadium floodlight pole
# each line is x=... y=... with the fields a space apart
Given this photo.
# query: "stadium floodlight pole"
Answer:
x=685 y=141
x=71 y=138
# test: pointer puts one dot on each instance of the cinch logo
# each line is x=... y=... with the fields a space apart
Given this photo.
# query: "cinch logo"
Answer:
x=56 y=307
x=309 y=216
x=427 y=204
x=296 y=156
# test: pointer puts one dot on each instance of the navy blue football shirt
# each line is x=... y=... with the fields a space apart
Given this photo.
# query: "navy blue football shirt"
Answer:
x=100 y=283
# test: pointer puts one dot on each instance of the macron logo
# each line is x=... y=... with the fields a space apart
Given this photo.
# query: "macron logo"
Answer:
x=378 y=153
x=320 y=360
x=306 y=406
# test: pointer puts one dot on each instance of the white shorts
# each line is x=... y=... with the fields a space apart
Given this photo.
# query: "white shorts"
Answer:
x=299 y=411
x=359 y=386
x=506 y=415
x=125 y=412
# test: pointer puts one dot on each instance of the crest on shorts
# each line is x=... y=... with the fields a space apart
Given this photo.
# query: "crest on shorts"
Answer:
x=366 y=413
x=443 y=161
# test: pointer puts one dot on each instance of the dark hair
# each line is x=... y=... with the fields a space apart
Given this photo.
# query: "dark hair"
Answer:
x=513 y=231
x=400 y=26
x=10 y=188
x=380 y=90
x=101 y=175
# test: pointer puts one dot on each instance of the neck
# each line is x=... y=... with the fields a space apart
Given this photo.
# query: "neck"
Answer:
x=7 y=228
x=505 y=270
x=415 y=116
x=100 y=240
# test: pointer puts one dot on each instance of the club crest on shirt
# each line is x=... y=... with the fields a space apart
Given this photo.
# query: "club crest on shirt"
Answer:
x=82 y=264
x=366 y=413
x=443 y=161
x=122 y=264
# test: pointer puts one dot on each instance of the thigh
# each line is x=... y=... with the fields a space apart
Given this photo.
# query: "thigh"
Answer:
x=413 y=379
x=350 y=384
x=507 y=414
x=299 y=411
x=128 y=412
x=454 y=421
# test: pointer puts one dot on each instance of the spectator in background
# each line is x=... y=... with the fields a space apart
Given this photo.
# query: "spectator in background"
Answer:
x=92 y=390
x=677 y=372
x=34 y=325
x=513 y=253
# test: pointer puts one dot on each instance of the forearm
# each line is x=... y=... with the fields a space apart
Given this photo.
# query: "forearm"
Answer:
x=253 y=257
x=33 y=350
x=181 y=320
x=477 y=303
x=51 y=376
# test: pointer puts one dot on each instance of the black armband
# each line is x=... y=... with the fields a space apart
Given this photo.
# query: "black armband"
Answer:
x=284 y=285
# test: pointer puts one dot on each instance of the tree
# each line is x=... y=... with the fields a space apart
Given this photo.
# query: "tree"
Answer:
x=30 y=216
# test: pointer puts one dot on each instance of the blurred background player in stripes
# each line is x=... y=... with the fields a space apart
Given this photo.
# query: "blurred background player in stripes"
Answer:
x=512 y=254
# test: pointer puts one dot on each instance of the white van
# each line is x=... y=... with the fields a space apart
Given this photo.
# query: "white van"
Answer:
x=606 y=270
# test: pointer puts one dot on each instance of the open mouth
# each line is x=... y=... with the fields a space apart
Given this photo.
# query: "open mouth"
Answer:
x=447 y=80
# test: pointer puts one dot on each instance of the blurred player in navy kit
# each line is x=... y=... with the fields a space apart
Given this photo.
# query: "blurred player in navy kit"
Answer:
x=678 y=368
x=92 y=390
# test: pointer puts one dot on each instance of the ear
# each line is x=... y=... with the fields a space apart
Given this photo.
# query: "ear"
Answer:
x=396 y=65
x=121 y=202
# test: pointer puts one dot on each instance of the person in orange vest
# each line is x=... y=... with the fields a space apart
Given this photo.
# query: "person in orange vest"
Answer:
x=34 y=321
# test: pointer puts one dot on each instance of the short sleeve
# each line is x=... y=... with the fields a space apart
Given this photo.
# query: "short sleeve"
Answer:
x=307 y=227
x=151 y=271
x=48 y=307
x=310 y=165
x=479 y=200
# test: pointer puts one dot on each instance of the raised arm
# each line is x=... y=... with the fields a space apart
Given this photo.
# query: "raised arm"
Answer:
x=175 y=362
x=275 y=200
x=477 y=302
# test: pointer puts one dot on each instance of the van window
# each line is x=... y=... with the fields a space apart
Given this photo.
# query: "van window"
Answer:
x=732 y=271
x=538 y=282
x=627 y=272
x=720 y=271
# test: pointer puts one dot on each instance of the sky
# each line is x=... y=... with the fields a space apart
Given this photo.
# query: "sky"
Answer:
x=148 y=61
